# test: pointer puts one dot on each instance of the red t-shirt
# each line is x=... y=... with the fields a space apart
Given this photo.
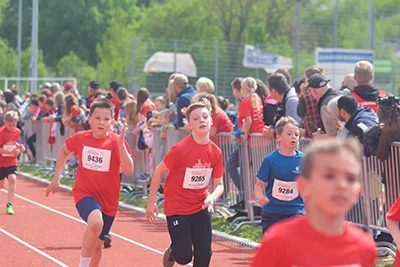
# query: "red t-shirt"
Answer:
x=394 y=214
x=246 y=110
x=295 y=242
x=147 y=106
x=191 y=166
x=117 y=107
x=221 y=121
x=75 y=112
x=98 y=170
x=7 y=141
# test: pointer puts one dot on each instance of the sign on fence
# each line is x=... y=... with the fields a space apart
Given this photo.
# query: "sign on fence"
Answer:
x=338 y=62
x=255 y=58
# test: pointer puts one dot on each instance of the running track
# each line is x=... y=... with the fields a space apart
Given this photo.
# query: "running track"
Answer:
x=48 y=232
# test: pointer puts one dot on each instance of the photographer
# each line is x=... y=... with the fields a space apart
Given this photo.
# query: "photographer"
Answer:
x=389 y=116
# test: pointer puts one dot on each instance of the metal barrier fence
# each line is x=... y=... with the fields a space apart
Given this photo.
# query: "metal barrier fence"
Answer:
x=380 y=180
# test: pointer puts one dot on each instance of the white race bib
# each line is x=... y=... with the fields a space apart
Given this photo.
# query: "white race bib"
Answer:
x=197 y=178
x=285 y=191
x=96 y=159
x=9 y=148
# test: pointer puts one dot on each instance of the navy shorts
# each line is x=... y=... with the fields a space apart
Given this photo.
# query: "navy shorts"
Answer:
x=88 y=204
x=6 y=171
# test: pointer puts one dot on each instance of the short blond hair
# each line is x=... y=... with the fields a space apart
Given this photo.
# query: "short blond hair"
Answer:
x=363 y=72
x=206 y=84
x=331 y=146
x=11 y=116
x=181 y=81
x=282 y=122
x=314 y=69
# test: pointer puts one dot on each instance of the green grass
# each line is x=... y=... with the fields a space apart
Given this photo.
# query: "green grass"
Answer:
x=219 y=223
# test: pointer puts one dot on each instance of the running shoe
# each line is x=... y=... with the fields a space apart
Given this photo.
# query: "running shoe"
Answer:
x=167 y=258
x=107 y=241
x=9 y=209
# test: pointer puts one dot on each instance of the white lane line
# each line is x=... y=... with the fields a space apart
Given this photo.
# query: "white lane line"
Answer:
x=32 y=247
x=83 y=222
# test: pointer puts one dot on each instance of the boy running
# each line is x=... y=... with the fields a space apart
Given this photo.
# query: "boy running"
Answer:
x=9 y=151
x=191 y=164
x=276 y=190
x=101 y=154
x=330 y=186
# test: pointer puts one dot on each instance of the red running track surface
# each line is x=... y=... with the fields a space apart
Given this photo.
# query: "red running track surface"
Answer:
x=48 y=232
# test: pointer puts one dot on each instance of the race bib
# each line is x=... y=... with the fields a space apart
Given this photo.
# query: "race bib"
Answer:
x=9 y=148
x=197 y=178
x=285 y=191
x=96 y=159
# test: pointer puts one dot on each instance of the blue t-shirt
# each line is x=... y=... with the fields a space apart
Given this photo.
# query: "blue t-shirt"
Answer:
x=279 y=172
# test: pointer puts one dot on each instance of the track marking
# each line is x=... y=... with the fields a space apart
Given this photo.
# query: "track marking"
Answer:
x=83 y=222
x=33 y=248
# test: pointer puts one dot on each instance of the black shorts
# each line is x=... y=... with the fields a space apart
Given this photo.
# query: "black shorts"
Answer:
x=88 y=204
x=6 y=171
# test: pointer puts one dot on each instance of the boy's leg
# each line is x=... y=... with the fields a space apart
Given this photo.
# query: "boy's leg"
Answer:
x=180 y=231
x=90 y=211
x=12 y=185
x=98 y=251
x=202 y=238
x=269 y=219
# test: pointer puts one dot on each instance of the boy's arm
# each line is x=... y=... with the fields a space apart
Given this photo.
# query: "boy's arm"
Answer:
x=217 y=193
x=259 y=192
x=393 y=227
x=152 y=208
x=60 y=163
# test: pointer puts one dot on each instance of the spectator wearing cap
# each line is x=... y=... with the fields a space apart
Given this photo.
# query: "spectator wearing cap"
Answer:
x=113 y=89
x=68 y=86
x=366 y=93
x=184 y=92
x=358 y=119
x=45 y=85
x=93 y=87
x=327 y=104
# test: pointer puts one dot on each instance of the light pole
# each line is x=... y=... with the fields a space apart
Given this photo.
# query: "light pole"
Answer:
x=19 y=40
x=34 y=55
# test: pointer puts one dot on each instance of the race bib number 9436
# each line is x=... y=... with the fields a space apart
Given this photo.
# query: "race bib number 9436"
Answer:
x=197 y=178
x=96 y=159
x=285 y=191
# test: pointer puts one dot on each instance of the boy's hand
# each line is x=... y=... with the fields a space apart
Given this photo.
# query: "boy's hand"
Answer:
x=21 y=147
x=15 y=151
x=262 y=201
x=121 y=137
x=209 y=203
x=151 y=209
x=52 y=187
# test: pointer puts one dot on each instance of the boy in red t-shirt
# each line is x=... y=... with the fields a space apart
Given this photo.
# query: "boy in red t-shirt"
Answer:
x=393 y=220
x=191 y=164
x=9 y=151
x=330 y=186
x=101 y=154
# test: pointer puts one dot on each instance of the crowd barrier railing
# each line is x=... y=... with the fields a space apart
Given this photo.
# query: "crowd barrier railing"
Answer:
x=380 y=180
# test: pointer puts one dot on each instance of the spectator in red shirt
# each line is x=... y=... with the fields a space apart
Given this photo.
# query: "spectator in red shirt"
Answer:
x=191 y=165
x=113 y=89
x=101 y=155
x=10 y=149
x=220 y=120
x=366 y=93
x=250 y=112
x=330 y=186
x=144 y=103
x=93 y=86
